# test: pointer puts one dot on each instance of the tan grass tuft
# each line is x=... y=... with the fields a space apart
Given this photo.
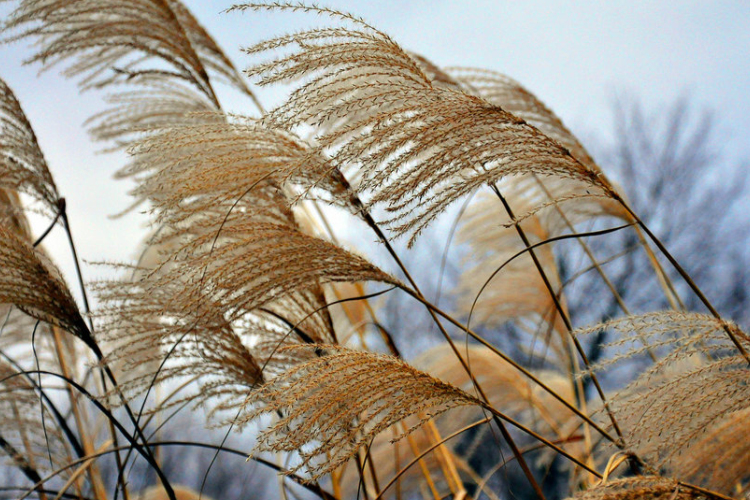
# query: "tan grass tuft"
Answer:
x=221 y=158
x=12 y=215
x=255 y=263
x=196 y=345
x=508 y=390
x=29 y=282
x=155 y=48
x=22 y=164
x=585 y=200
x=504 y=91
x=722 y=456
x=414 y=147
x=697 y=381
x=639 y=488
x=517 y=292
x=338 y=402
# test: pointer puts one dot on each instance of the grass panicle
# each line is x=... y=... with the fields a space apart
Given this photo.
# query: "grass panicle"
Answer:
x=246 y=303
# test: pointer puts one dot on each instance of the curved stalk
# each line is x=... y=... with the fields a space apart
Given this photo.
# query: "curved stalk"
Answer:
x=561 y=312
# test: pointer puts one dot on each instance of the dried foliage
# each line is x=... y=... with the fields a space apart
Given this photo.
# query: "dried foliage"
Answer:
x=228 y=307
x=639 y=488
x=197 y=344
x=24 y=437
x=495 y=289
x=22 y=164
x=29 y=282
x=503 y=91
x=253 y=263
x=222 y=159
x=324 y=425
x=698 y=380
x=235 y=283
x=12 y=215
x=507 y=389
x=727 y=447
x=154 y=48
x=414 y=147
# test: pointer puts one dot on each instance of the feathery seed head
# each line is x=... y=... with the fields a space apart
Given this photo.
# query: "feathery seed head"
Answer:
x=340 y=400
x=22 y=164
x=29 y=282
x=414 y=147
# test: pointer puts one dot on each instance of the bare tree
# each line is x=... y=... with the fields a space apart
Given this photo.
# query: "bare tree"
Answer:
x=670 y=166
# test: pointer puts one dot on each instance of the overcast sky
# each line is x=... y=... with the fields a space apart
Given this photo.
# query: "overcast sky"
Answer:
x=574 y=55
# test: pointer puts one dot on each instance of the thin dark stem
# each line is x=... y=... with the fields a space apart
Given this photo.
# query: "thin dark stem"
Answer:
x=361 y=474
x=66 y=224
x=118 y=458
x=503 y=430
x=426 y=451
x=371 y=467
x=312 y=487
x=46 y=231
x=544 y=440
x=384 y=240
x=142 y=449
x=59 y=417
x=561 y=312
x=531 y=248
x=685 y=276
x=41 y=401
x=23 y=464
x=62 y=211
x=510 y=361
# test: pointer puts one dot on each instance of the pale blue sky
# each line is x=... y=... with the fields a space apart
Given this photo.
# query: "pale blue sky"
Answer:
x=573 y=55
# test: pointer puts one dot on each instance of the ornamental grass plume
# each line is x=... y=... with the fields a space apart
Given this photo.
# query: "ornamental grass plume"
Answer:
x=246 y=303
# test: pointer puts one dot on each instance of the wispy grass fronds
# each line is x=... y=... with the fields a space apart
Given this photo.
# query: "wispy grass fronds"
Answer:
x=516 y=292
x=150 y=343
x=584 y=200
x=156 y=47
x=22 y=164
x=253 y=263
x=639 y=488
x=508 y=389
x=12 y=214
x=224 y=299
x=222 y=159
x=135 y=113
x=722 y=456
x=415 y=147
x=228 y=308
x=507 y=93
x=676 y=334
x=697 y=382
x=38 y=445
x=29 y=282
x=18 y=330
x=114 y=41
x=338 y=402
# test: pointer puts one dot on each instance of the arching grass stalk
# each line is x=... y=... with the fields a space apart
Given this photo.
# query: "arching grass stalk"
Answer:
x=561 y=312
x=685 y=276
x=506 y=435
